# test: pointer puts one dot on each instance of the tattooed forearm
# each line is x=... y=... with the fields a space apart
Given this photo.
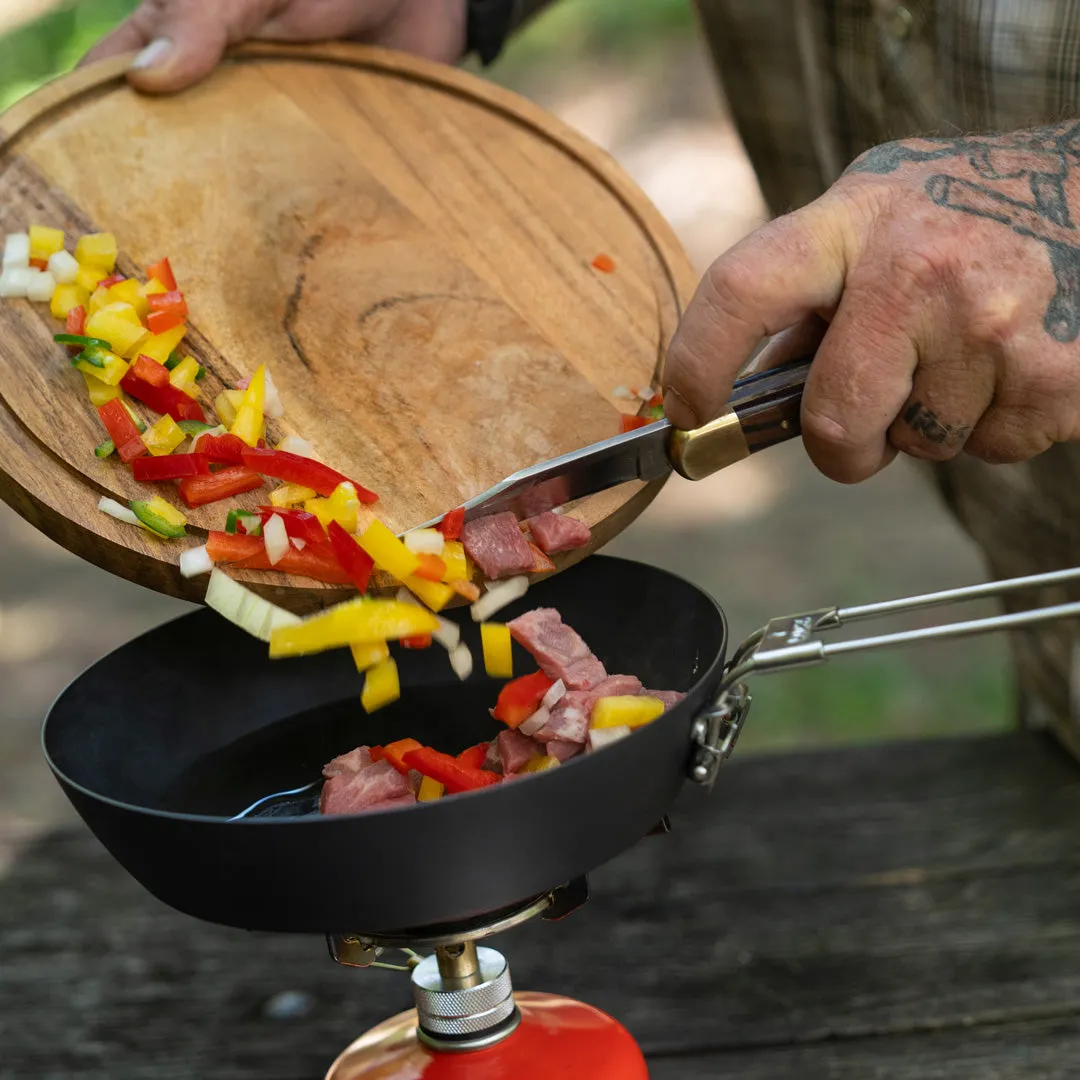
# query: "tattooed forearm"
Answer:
x=1044 y=160
x=924 y=422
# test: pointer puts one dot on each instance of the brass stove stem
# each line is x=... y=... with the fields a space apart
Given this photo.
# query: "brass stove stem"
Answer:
x=459 y=965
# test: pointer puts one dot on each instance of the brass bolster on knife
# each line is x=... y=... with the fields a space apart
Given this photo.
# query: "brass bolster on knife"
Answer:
x=705 y=450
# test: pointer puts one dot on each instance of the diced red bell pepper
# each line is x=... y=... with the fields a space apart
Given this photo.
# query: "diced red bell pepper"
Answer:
x=222 y=449
x=451 y=524
x=168 y=301
x=417 y=641
x=110 y=281
x=163 y=272
x=449 y=772
x=298 y=524
x=170 y=467
x=474 y=757
x=656 y=401
x=232 y=547
x=200 y=490
x=632 y=423
x=163 y=399
x=519 y=699
x=351 y=557
x=604 y=263
x=75 y=323
x=122 y=430
x=430 y=568
x=312 y=562
x=142 y=367
x=296 y=469
x=157 y=322
x=395 y=753
x=541 y=563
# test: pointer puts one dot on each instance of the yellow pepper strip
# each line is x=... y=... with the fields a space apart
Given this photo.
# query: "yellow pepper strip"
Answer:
x=166 y=511
x=152 y=288
x=369 y=653
x=66 y=297
x=381 y=686
x=183 y=376
x=625 y=711
x=119 y=326
x=345 y=506
x=540 y=764
x=98 y=250
x=164 y=437
x=429 y=790
x=249 y=417
x=100 y=392
x=434 y=593
x=89 y=276
x=388 y=552
x=290 y=495
x=160 y=347
x=457 y=564
x=321 y=509
x=498 y=651
x=114 y=370
x=130 y=292
x=45 y=241
x=226 y=404
x=354 y=622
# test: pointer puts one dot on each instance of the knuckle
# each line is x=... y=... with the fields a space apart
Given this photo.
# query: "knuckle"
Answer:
x=995 y=322
x=1010 y=435
x=915 y=271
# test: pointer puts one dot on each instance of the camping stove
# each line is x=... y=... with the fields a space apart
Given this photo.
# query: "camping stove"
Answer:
x=469 y=1022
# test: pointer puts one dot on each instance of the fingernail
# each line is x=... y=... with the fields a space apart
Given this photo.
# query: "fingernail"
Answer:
x=152 y=55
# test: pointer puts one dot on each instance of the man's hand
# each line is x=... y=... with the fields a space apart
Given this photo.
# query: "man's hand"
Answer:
x=940 y=281
x=182 y=41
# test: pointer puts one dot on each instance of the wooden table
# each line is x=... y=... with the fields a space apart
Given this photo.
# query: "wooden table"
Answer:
x=900 y=911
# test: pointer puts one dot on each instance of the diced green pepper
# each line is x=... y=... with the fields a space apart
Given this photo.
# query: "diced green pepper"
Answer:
x=195 y=427
x=80 y=339
x=252 y=522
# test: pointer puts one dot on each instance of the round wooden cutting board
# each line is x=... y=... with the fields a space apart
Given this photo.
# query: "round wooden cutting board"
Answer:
x=407 y=247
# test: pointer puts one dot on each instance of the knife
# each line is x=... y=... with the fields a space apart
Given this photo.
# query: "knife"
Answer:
x=763 y=410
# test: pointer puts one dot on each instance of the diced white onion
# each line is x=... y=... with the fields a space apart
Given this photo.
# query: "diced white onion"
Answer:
x=448 y=635
x=195 y=561
x=244 y=608
x=497 y=597
x=605 y=736
x=298 y=542
x=535 y=722
x=425 y=541
x=15 y=281
x=403 y=596
x=276 y=539
x=461 y=661
x=272 y=401
x=118 y=511
x=17 y=251
x=554 y=694
x=219 y=430
x=63 y=267
x=293 y=444
x=41 y=287
x=624 y=393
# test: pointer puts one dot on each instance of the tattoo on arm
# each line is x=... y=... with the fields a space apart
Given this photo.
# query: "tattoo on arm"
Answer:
x=1045 y=159
x=924 y=422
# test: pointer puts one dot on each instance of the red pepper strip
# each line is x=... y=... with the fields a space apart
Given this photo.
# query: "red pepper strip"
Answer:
x=312 y=562
x=109 y=282
x=395 y=753
x=232 y=547
x=541 y=563
x=122 y=430
x=417 y=641
x=450 y=526
x=351 y=557
x=200 y=490
x=142 y=367
x=431 y=568
x=474 y=757
x=75 y=324
x=519 y=699
x=170 y=467
x=163 y=272
x=157 y=322
x=449 y=772
x=163 y=399
x=222 y=449
x=40 y=264
x=298 y=523
x=632 y=423
x=294 y=469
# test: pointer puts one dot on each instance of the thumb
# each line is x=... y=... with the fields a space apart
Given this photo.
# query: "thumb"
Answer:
x=790 y=268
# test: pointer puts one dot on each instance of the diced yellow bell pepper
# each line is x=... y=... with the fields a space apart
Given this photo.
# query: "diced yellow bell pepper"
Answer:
x=354 y=622
x=389 y=553
x=100 y=392
x=321 y=509
x=98 y=299
x=98 y=250
x=114 y=370
x=369 y=653
x=45 y=241
x=89 y=276
x=164 y=510
x=540 y=764
x=457 y=564
x=130 y=292
x=249 y=416
x=381 y=686
x=66 y=297
x=434 y=593
x=119 y=326
x=345 y=506
x=163 y=437
x=226 y=404
x=152 y=288
x=429 y=790
x=498 y=650
x=183 y=376
x=159 y=347
x=625 y=711
x=290 y=494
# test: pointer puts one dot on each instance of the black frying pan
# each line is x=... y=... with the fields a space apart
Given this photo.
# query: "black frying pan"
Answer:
x=160 y=742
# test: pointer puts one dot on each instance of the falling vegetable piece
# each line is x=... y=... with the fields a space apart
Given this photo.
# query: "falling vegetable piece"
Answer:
x=246 y=609
x=368 y=654
x=430 y=568
x=388 y=552
x=434 y=593
x=499 y=596
x=353 y=622
x=518 y=700
x=498 y=650
x=417 y=641
x=354 y=560
x=381 y=685
x=468 y=590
